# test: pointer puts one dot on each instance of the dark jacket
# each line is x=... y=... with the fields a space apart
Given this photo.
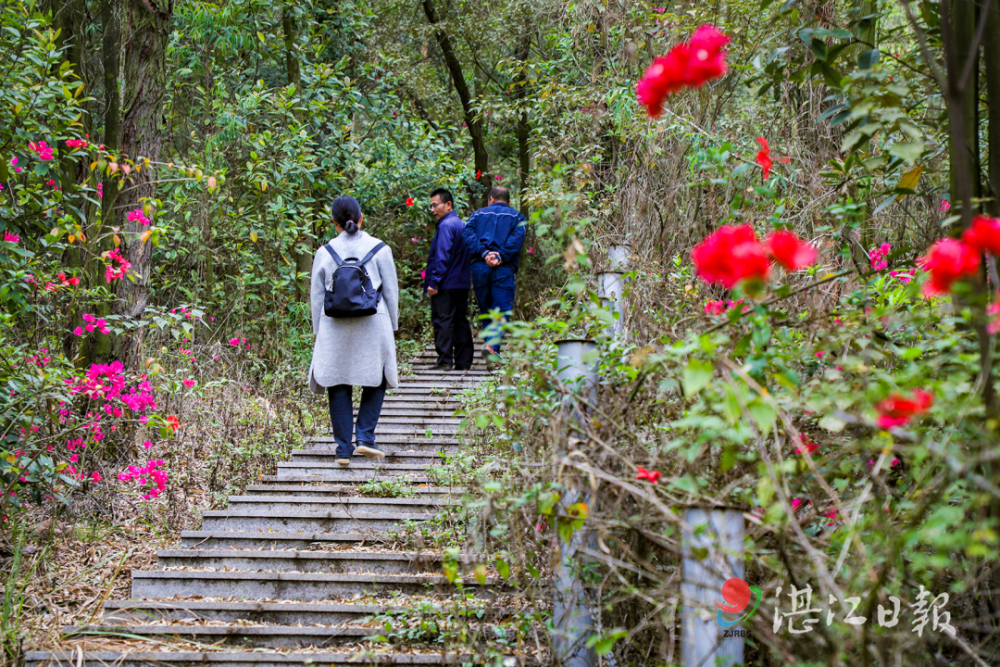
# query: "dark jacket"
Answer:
x=448 y=260
x=497 y=227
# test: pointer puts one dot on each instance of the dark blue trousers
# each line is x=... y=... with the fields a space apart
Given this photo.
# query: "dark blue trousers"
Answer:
x=494 y=288
x=342 y=417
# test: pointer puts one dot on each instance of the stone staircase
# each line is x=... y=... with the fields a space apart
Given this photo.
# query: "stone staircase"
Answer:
x=293 y=572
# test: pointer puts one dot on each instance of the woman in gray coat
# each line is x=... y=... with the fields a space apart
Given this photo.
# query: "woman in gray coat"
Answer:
x=354 y=351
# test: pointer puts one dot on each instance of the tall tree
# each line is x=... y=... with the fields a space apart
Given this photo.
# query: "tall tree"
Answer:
x=303 y=246
x=141 y=138
x=472 y=120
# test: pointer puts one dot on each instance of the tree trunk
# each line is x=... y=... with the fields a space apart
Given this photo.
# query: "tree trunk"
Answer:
x=474 y=125
x=141 y=137
x=963 y=103
x=302 y=246
x=992 y=60
x=520 y=93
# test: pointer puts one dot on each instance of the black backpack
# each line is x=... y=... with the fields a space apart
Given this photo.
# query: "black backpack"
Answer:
x=352 y=294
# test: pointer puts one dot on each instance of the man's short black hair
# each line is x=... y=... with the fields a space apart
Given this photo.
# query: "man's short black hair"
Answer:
x=445 y=196
x=500 y=193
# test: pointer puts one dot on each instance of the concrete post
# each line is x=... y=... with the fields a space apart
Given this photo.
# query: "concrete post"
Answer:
x=609 y=289
x=702 y=642
x=571 y=612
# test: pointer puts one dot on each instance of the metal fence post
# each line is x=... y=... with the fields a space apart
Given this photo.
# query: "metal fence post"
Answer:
x=572 y=618
x=719 y=556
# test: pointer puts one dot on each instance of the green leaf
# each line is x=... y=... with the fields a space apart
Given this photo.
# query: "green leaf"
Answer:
x=833 y=424
x=818 y=47
x=503 y=568
x=763 y=414
x=868 y=58
x=907 y=150
x=697 y=375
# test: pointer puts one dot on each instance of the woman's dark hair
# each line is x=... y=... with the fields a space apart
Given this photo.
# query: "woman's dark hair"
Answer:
x=346 y=212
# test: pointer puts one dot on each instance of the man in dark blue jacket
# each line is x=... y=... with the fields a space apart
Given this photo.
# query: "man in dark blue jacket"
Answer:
x=447 y=282
x=494 y=236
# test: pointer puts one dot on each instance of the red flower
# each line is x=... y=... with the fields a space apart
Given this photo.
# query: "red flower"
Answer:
x=652 y=476
x=173 y=423
x=764 y=157
x=789 y=250
x=729 y=255
x=947 y=261
x=409 y=201
x=479 y=174
x=897 y=410
x=707 y=60
x=983 y=235
x=689 y=64
x=805 y=444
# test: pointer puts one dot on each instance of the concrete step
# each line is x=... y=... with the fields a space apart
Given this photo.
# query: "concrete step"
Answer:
x=426 y=456
x=418 y=418
x=266 y=540
x=129 y=657
x=412 y=453
x=135 y=612
x=303 y=587
x=330 y=521
x=356 y=475
x=334 y=502
x=331 y=562
x=413 y=429
x=314 y=490
x=414 y=409
x=356 y=470
x=393 y=439
x=229 y=636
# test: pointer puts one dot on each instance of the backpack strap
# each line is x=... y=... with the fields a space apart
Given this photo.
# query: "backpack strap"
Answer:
x=371 y=253
x=336 y=257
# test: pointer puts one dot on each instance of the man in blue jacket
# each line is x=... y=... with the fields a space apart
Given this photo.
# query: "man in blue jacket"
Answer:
x=494 y=236
x=447 y=283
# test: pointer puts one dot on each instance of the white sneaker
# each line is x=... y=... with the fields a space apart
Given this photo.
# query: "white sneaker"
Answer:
x=370 y=452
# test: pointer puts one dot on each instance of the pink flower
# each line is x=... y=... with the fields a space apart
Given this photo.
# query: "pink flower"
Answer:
x=531 y=250
x=78 y=331
x=76 y=143
x=147 y=444
x=234 y=342
x=100 y=190
x=498 y=178
x=11 y=238
x=138 y=215
x=715 y=307
x=43 y=150
x=188 y=383
x=994 y=310
x=652 y=476
x=95 y=477
x=945 y=205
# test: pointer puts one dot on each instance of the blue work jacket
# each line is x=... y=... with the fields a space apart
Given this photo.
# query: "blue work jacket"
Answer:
x=448 y=260
x=497 y=227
